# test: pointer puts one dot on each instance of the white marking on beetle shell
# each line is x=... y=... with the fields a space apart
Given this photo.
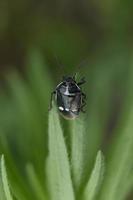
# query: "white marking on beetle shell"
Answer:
x=66 y=109
x=67 y=91
x=61 y=108
x=74 y=110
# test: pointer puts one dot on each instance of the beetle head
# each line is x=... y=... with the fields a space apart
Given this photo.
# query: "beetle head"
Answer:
x=68 y=79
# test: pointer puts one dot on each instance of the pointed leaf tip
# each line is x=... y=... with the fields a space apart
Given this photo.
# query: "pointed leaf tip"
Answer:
x=5 y=180
x=95 y=179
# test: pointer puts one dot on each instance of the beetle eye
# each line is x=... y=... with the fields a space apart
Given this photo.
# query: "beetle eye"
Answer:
x=72 y=84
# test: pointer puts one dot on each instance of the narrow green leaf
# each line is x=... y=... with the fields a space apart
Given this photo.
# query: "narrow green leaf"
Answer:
x=39 y=77
x=34 y=182
x=5 y=180
x=18 y=185
x=99 y=107
x=96 y=178
x=79 y=153
x=119 y=163
x=58 y=169
x=2 y=194
x=29 y=121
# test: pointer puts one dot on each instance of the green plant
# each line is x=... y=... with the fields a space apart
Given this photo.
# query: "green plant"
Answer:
x=47 y=159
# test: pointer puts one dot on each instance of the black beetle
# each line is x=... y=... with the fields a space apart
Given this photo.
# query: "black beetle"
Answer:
x=69 y=97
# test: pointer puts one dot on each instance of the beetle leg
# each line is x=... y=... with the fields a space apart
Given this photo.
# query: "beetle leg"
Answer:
x=51 y=98
x=83 y=103
x=81 y=82
x=82 y=107
x=84 y=96
x=74 y=76
x=82 y=110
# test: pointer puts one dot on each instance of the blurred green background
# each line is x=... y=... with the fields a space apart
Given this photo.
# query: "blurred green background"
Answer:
x=36 y=36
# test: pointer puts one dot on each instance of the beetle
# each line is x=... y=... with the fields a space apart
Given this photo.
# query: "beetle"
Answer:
x=69 y=97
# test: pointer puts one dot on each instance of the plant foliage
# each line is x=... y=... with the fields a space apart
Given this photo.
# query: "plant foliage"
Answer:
x=49 y=159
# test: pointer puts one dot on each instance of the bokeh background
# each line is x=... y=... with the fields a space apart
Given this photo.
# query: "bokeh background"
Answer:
x=41 y=40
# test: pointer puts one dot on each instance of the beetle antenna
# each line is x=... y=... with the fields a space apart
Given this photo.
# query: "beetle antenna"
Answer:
x=60 y=65
x=82 y=63
x=78 y=67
